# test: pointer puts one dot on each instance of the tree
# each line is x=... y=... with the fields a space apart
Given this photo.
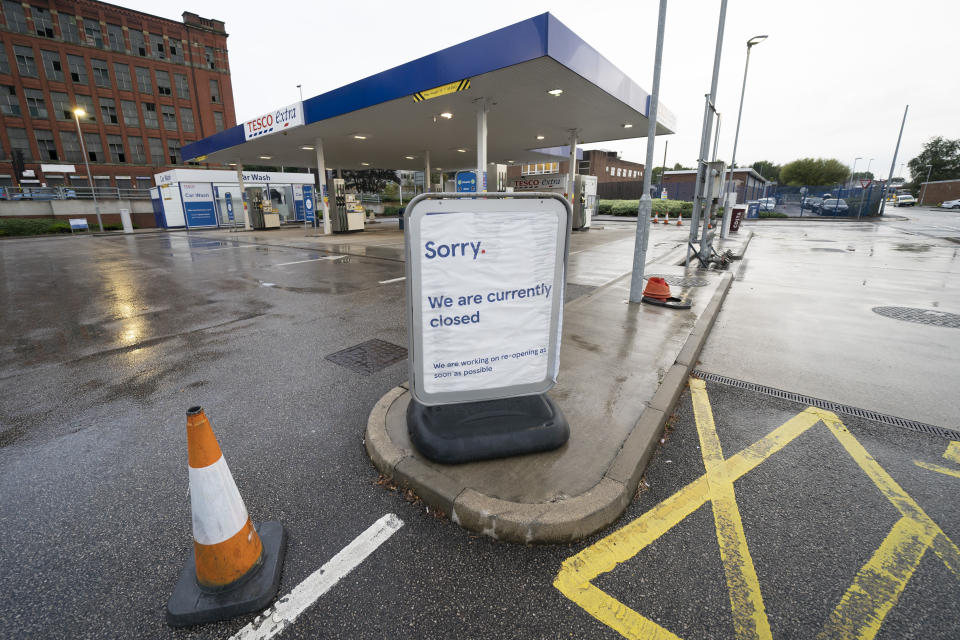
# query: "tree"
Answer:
x=813 y=172
x=767 y=169
x=369 y=180
x=680 y=167
x=942 y=155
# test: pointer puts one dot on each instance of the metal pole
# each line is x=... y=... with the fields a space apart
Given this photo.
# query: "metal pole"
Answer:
x=725 y=223
x=663 y=170
x=853 y=170
x=244 y=205
x=322 y=175
x=711 y=99
x=93 y=188
x=646 y=204
x=572 y=172
x=924 y=190
x=482 y=109
x=705 y=242
x=893 y=163
x=426 y=172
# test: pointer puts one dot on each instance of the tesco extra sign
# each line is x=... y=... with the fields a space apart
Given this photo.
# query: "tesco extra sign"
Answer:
x=277 y=120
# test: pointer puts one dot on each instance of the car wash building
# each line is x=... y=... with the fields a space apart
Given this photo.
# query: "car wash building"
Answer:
x=198 y=198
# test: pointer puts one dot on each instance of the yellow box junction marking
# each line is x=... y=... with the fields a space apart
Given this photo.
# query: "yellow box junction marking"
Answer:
x=861 y=610
x=436 y=92
x=952 y=453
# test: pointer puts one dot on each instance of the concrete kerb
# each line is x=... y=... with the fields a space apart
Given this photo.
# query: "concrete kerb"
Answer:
x=552 y=522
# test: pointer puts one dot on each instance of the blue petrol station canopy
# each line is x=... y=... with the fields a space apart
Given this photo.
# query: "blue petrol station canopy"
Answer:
x=388 y=120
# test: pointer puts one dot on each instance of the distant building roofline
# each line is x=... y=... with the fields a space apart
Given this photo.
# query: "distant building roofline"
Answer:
x=737 y=170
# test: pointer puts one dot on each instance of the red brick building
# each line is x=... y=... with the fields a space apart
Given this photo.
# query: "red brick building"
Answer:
x=148 y=85
x=616 y=178
x=937 y=191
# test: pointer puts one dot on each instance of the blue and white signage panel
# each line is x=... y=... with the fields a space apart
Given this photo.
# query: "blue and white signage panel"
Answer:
x=298 y=209
x=228 y=198
x=308 y=202
x=198 y=208
x=275 y=121
x=485 y=292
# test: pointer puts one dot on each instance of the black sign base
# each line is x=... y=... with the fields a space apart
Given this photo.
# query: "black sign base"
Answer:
x=470 y=431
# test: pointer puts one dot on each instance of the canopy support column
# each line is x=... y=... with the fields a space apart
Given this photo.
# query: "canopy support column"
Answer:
x=322 y=177
x=243 y=199
x=482 y=110
x=426 y=171
x=572 y=169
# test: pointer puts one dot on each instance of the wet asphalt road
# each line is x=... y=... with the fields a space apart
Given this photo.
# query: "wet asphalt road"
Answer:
x=108 y=340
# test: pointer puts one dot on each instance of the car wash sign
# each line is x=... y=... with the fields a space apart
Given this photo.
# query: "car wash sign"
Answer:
x=485 y=295
x=281 y=119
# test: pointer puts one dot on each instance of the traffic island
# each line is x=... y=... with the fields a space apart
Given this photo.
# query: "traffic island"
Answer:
x=622 y=369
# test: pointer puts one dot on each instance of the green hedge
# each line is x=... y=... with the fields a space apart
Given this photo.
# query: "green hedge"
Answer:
x=629 y=207
x=390 y=210
x=772 y=214
x=32 y=226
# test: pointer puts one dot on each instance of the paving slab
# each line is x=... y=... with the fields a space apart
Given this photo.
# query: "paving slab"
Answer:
x=619 y=379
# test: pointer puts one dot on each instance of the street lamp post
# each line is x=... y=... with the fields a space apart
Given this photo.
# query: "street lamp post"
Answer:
x=77 y=114
x=853 y=170
x=725 y=224
x=924 y=190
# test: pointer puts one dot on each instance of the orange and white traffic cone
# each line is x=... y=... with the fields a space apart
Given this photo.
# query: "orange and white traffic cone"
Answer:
x=235 y=566
x=656 y=219
x=679 y=219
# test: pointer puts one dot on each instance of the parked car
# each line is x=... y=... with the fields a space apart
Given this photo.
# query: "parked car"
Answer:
x=811 y=203
x=951 y=204
x=833 y=207
x=906 y=200
x=767 y=204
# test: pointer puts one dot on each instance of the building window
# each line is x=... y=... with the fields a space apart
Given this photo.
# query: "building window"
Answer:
x=19 y=142
x=115 y=37
x=42 y=22
x=209 y=55
x=25 y=61
x=9 y=104
x=173 y=152
x=86 y=103
x=15 y=17
x=584 y=167
x=137 y=44
x=144 y=182
x=68 y=28
x=156 y=47
x=186 y=118
x=108 y=109
x=137 y=153
x=144 y=85
x=78 y=70
x=163 y=83
x=101 y=74
x=94 y=147
x=169 y=117
x=130 y=117
x=183 y=87
x=176 y=51
x=36 y=107
x=214 y=90
x=122 y=73
x=156 y=151
x=92 y=30
x=61 y=106
x=4 y=61
x=539 y=168
x=115 y=146
x=150 y=115
x=51 y=65
x=218 y=120
x=71 y=147
x=46 y=144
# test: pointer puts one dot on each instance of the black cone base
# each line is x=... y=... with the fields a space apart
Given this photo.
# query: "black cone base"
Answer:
x=670 y=303
x=190 y=605
x=470 y=431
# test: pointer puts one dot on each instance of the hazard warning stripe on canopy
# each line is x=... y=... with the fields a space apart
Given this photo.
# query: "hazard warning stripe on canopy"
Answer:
x=436 y=92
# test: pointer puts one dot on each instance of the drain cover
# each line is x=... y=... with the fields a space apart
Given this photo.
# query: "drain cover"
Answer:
x=923 y=316
x=369 y=357
x=681 y=281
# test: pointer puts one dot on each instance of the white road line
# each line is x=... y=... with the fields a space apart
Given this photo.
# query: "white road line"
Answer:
x=283 y=264
x=275 y=619
x=394 y=280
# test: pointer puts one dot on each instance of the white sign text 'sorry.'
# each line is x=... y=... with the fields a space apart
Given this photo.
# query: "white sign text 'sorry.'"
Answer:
x=487 y=295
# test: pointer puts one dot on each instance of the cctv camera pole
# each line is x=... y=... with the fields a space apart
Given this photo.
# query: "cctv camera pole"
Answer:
x=893 y=163
x=646 y=204
x=709 y=108
x=93 y=188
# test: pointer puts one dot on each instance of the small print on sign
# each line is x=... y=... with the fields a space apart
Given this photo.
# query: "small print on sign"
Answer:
x=488 y=289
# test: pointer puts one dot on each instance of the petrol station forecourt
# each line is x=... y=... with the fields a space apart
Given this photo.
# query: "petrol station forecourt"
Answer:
x=525 y=93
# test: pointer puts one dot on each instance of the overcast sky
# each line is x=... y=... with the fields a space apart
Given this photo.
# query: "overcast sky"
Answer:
x=831 y=81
